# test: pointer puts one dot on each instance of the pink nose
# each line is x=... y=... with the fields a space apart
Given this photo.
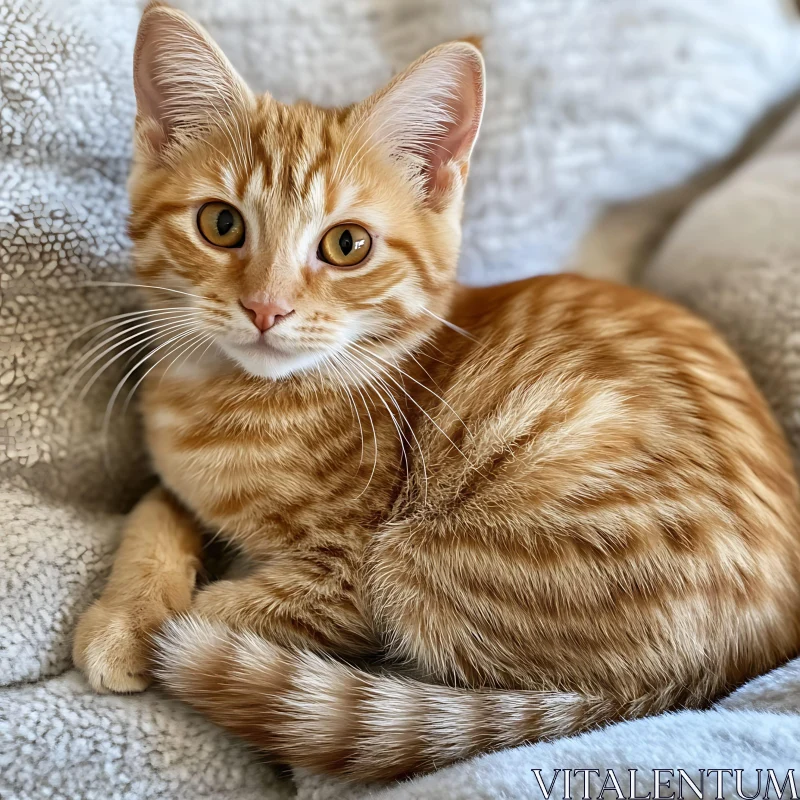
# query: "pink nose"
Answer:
x=264 y=313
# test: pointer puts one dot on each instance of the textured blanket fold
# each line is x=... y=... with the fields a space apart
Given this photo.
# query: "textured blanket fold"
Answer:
x=585 y=108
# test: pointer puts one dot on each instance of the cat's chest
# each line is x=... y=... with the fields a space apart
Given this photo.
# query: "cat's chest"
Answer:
x=222 y=468
x=252 y=467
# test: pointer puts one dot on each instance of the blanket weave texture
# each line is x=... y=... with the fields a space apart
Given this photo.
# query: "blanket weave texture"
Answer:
x=586 y=106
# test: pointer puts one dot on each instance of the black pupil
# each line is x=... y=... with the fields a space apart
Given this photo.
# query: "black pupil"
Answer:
x=224 y=222
x=346 y=243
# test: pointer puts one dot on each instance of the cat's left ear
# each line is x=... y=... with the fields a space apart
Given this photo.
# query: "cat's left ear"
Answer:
x=184 y=84
x=428 y=117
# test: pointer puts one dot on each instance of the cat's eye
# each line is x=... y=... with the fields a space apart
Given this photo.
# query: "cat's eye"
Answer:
x=345 y=245
x=221 y=224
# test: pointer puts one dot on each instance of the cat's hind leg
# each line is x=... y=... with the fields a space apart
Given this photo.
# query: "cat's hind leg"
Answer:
x=152 y=578
x=307 y=600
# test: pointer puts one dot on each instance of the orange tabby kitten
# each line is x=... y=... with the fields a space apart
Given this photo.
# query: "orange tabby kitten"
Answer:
x=556 y=503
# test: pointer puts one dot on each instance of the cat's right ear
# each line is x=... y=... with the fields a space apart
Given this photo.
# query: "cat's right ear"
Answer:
x=427 y=119
x=184 y=84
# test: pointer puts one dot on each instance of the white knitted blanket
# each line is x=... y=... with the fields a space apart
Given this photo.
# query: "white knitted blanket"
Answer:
x=588 y=103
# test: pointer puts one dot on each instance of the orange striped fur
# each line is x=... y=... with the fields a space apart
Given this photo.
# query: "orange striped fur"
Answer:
x=542 y=506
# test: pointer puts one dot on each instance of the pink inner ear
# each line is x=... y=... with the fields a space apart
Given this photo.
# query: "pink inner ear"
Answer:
x=456 y=141
x=148 y=95
x=428 y=117
x=149 y=46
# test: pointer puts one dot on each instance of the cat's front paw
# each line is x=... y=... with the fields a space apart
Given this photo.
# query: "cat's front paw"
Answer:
x=112 y=647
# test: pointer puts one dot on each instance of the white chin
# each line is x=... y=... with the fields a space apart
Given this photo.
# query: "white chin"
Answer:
x=270 y=363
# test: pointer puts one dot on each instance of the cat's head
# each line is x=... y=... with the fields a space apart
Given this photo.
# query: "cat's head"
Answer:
x=297 y=233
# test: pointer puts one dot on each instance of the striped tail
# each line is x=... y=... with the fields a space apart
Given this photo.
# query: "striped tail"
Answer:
x=309 y=711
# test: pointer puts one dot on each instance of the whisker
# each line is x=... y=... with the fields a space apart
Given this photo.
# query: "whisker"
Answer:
x=135 y=354
x=417 y=362
x=396 y=425
x=141 y=312
x=391 y=397
x=432 y=358
x=420 y=384
x=192 y=339
x=371 y=424
x=452 y=326
x=203 y=339
x=74 y=374
x=405 y=392
x=331 y=363
x=121 y=383
x=147 y=324
x=108 y=363
x=419 y=446
x=176 y=338
x=210 y=344
x=139 y=382
x=149 y=319
x=139 y=286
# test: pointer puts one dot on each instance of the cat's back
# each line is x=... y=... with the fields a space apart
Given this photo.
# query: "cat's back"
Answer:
x=615 y=456
x=588 y=380
x=598 y=331
x=609 y=368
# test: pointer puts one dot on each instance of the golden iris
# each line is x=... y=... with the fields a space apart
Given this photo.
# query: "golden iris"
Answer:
x=221 y=224
x=345 y=245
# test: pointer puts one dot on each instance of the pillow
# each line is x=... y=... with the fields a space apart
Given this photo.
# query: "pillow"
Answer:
x=584 y=108
x=735 y=258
